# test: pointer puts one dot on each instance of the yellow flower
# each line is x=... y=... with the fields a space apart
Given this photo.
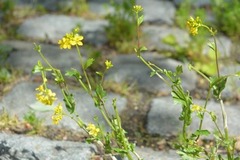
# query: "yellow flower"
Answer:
x=92 y=130
x=58 y=114
x=58 y=109
x=56 y=119
x=196 y=108
x=71 y=39
x=108 y=64
x=64 y=43
x=44 y=95
x=193 y=25
x=76 y=40
x=137 y=8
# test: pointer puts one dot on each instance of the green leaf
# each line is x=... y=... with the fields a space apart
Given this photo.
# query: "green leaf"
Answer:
x=73 y=73
x=143 y=48
x=88 y=63
x=38 y=106
x=69 y=102
x=100 y=91
x=213 y=116
x=179 y=70
x=152 y=73
x=37 y=47
x=218 y=85
x=38 y=67
x=58 y=78
x=212 y=46
x=201 y=133
x=140 y=20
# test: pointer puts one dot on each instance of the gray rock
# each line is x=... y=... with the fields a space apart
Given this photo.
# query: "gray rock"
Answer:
x=128 y=68
x=235 y=51
x=100 y=8
x=154 y=36
x=232 y=86
x=22 y=97
x=149 y=154
x=17 y=147
x=54 y=27
x=158 y=12
x=194 y=2
x=24 y=57
x=224 y=45
x=38 y=148
x=163 y=117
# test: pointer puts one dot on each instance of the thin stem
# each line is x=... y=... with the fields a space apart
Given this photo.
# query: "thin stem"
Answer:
x=216 y=55
x=84 y=71
x=107 y=119
x=152 y=69
x=199 y=72
x=45 y=60
x=224 y=118
x=205 y=106
x=138 y=157
x=224 y=115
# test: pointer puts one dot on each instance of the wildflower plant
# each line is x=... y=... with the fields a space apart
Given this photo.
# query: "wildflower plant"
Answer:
x=121 y=29
x=113 y=142
x=188 y=147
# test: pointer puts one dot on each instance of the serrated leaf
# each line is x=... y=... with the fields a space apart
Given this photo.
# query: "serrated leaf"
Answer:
x=88 y=63
x=37 y=106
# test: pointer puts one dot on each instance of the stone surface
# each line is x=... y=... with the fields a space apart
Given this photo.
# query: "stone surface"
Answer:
x=22 y=97
x=195 y=3
x=24 y=57
x=154 y=37
x=163 y=14
x=38 y=148
x=18 y=147
x=224 y=45
x=54 y=27
x=163 y=117
x=232 y=86
x=149 y=154
x=128 y=68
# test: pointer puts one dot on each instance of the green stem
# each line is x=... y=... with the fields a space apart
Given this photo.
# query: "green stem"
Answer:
x=200 y=73
x=45 y=60
x=216 y=55
x=120 y=130
x=83 y=85
x=224 y=115
x=152 y=69
x=84 y=71
x=203 y=114
x=106 y=118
